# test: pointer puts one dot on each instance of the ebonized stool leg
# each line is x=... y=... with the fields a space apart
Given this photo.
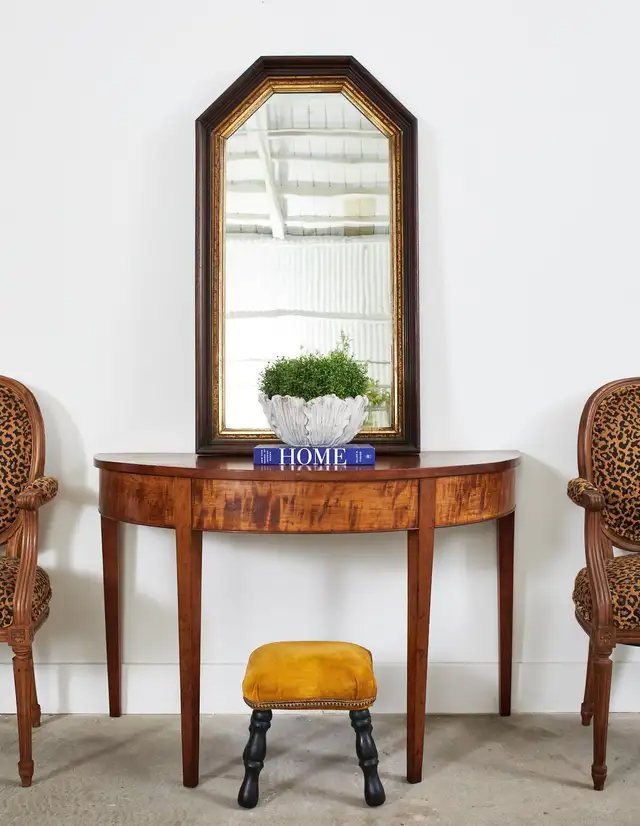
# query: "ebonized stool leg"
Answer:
x=253 y=757
x=367 y=757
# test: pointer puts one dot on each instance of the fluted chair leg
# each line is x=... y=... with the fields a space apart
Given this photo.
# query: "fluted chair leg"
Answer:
x=253 y=756
x=586 y=710
x=35 y=708
x=602 y=669
x=22 y=677
x=367 y=757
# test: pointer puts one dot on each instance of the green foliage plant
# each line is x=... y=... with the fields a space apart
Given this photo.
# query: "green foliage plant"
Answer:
x=311 y=375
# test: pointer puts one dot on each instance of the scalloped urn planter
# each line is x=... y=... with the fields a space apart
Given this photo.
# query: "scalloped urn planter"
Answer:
x=326 y=421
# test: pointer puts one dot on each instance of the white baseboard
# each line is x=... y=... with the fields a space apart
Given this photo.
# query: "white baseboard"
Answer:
x=453 y=688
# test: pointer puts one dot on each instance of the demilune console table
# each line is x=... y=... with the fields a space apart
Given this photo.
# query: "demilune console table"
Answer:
x=414 y=493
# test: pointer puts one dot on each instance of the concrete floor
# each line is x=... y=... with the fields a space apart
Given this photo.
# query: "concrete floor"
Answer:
x=478 y=771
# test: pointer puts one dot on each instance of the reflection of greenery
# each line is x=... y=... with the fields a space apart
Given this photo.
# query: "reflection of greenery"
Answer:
x=377 y=396
x=311 y=375
x=378 y=400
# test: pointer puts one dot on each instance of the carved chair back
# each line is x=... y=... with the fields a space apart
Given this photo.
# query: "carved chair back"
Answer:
x=609 y=457
x=22 y=449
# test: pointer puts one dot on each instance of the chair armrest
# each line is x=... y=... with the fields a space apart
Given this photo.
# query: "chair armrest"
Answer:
x=597 y=550
x=585 y=494
x=37 y=493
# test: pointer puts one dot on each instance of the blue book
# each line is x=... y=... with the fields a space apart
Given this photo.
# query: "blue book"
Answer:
x=280 y=454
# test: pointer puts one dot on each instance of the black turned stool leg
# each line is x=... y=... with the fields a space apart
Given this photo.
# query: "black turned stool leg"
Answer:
x=253 y=757
x=367 y=757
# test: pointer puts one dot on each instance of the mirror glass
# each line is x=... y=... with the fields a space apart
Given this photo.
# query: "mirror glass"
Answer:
x=307 y=247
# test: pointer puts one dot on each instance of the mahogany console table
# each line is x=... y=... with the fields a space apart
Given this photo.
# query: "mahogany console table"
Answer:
x=415 y=493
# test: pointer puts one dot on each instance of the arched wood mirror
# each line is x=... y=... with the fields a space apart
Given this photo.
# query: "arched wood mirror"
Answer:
x=306 y=237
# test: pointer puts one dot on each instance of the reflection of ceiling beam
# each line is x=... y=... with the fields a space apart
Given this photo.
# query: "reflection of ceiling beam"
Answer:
x=281 y=312
x=318 y=221
x=275 y=207
x=291 y=158
x=307 y=190
x=369 y=134
x=241 y=236
x=309 y=221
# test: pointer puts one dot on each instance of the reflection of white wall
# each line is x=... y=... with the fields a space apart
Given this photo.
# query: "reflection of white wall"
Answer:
x=284 y=296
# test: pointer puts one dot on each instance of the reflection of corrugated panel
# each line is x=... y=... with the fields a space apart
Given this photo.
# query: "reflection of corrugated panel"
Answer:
x=346 y=277
x=286 y=296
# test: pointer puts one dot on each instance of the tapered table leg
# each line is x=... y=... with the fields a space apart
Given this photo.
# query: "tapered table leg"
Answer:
x=111 y=584
x=420 y=568
x=189 y=566
x=506 y=531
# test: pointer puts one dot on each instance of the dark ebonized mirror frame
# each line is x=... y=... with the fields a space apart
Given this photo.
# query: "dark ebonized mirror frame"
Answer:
x=327 y=73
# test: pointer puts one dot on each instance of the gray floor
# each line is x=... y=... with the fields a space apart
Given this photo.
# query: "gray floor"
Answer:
x=478 y=770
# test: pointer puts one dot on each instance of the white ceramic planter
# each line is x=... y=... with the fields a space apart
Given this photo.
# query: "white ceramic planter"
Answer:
x=326 y=421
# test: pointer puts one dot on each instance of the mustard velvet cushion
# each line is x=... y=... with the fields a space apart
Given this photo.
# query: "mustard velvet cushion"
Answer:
x=310 y=675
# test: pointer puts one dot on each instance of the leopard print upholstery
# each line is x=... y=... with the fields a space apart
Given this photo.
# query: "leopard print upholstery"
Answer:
x=47 y=485
x=615 y=446
x=15 y=453
x=623 y=576
x=38 y=492
x=577 y=487
x=8 y=575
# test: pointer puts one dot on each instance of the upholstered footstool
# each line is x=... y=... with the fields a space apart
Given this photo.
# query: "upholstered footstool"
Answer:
x=309 y=675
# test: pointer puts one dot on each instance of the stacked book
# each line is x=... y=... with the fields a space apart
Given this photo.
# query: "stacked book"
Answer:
x=285 y=455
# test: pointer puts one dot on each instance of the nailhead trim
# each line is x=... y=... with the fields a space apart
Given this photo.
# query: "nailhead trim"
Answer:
x=339 y=704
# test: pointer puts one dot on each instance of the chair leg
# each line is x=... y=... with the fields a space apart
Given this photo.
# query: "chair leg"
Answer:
x=253 y=758
x=22 y=678
x=367 y=757
x=35 y=708
x=586 y=710
x=602 y=669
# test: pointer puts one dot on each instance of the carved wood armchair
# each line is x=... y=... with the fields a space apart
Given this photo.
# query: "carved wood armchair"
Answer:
x=607 y=592
x=25 y=590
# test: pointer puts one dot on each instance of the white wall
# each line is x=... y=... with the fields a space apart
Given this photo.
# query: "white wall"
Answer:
x=530 y=289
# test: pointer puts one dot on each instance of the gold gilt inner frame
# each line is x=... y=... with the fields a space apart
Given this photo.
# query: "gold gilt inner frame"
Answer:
x=267 y=76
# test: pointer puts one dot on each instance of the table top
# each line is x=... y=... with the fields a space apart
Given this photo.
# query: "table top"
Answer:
x=413 y=466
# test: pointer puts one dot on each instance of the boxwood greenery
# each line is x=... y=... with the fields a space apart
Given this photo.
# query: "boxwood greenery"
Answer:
x=310 y=375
